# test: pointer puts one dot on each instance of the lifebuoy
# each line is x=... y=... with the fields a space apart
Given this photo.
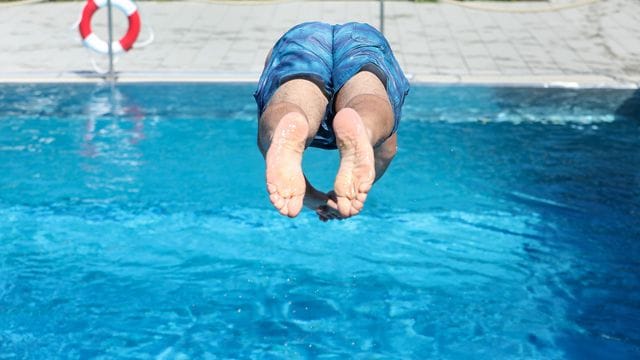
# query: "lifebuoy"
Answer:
x=93 y=42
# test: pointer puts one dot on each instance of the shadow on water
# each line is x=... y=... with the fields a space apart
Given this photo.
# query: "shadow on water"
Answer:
x=630 y=108
x=587 y=184
x=565 y=164
x=559 y=167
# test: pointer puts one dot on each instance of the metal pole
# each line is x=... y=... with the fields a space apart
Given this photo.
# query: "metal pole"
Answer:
x=110 y=76
x=381 y=16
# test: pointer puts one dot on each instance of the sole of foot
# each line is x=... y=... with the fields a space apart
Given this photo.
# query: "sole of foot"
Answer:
x=357 y=165
x=284 y=177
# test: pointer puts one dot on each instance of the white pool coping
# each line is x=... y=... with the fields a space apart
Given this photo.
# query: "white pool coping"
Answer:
x=563 y=81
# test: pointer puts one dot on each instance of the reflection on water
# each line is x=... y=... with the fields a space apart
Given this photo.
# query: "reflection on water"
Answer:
x=111 y=104
x=113 y=129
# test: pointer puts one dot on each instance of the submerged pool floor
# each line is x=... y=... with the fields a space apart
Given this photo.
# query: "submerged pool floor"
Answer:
x=134 y=223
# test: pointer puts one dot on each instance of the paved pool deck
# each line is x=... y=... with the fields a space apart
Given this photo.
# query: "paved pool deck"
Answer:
x=561 y=42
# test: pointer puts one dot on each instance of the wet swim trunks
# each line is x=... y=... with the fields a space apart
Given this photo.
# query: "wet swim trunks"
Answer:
x=330 y=55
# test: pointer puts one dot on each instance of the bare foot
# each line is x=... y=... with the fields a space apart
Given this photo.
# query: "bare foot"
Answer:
x=285 y=180
x=357 y=168
x=318 y=202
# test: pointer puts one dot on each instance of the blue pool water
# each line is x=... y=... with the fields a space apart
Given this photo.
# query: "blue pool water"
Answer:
x=134 y=223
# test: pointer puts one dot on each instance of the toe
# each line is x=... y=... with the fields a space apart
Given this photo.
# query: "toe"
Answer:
x=357 y=205
x=277 y=200
x=294 y=206
x=344 y=206
x=364 y=187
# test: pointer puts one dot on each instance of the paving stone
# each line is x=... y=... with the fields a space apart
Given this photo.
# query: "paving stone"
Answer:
x=436 y=41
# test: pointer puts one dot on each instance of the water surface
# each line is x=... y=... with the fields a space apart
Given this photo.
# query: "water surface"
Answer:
x=134 y=223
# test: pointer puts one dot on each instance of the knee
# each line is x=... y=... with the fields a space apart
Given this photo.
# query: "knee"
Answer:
x=270 y=118
x=274 y=112
x=370 y=105
x=277 y=110
x=388 y=149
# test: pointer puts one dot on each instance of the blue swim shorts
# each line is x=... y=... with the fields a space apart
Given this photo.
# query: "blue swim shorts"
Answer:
x=330 y=55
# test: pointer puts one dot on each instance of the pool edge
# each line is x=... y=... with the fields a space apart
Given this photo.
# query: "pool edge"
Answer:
x=544 y=81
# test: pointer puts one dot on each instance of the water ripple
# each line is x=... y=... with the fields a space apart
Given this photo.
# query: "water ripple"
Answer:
x=135 y=224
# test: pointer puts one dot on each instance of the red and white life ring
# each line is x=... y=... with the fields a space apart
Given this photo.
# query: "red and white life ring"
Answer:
x=93 y=42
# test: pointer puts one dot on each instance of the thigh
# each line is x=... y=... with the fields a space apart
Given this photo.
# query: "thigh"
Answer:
x=362 y=83
x=303 y=52
x=361 y=49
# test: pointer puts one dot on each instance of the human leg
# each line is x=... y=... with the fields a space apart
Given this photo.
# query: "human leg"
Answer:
x=364 y=120
x=370 y=90
x=287 y=125
x=366 y=94
x=292 y=97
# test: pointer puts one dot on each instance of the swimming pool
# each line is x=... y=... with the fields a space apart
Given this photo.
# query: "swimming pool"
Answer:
x=134 y=223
